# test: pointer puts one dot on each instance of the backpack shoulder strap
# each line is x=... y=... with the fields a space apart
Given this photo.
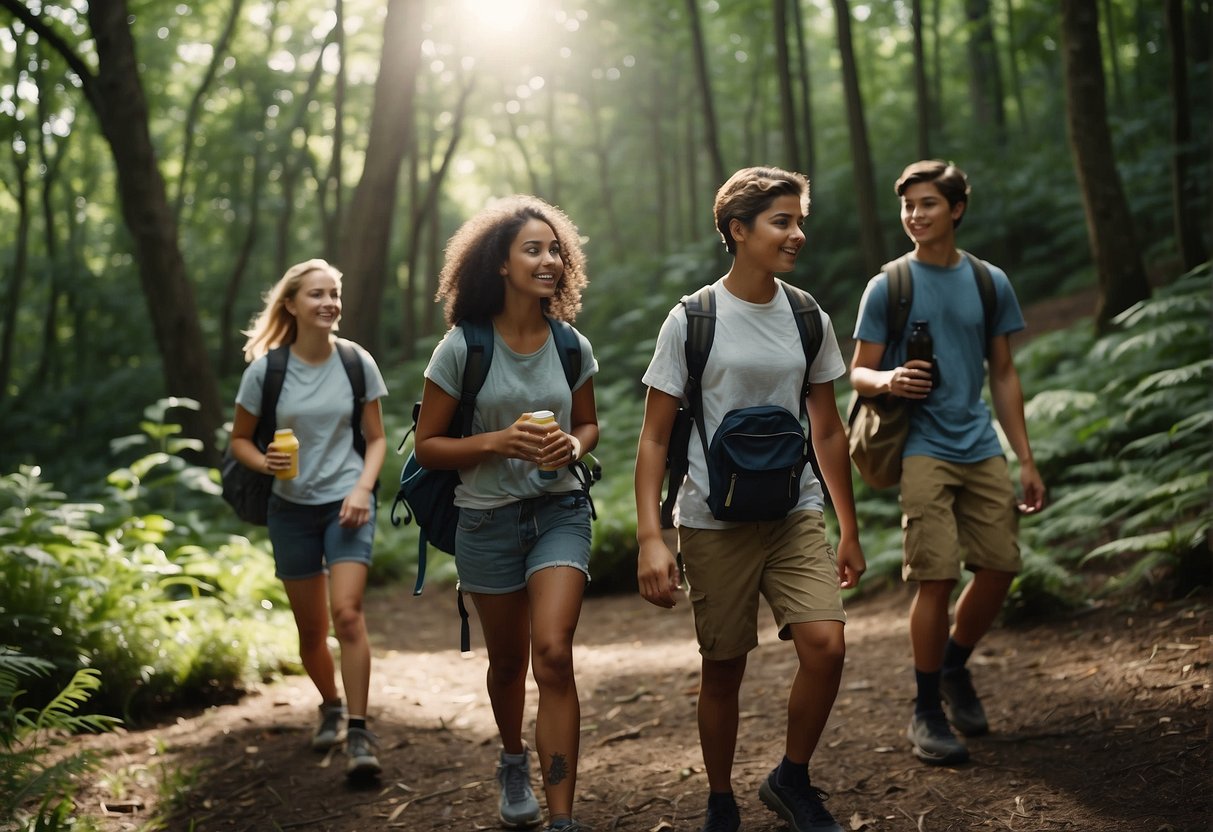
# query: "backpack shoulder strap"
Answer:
x=701 y=330
x=271 y=388
x=989 y=296
x=352 y=362
x=479 y=338
x=808 y=324
x=901 y=295
x=569 y=347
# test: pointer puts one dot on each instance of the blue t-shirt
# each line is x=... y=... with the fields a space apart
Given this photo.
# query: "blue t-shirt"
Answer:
x=953 y=423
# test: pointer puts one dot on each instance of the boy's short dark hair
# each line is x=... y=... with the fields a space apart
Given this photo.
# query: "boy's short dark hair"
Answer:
x=952 y=182
x=749 y=192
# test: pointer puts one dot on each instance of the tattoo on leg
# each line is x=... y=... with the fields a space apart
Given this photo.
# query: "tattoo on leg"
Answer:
x=558 y=770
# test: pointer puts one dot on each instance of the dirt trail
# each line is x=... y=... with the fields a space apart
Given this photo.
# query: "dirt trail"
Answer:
x=1101 y=724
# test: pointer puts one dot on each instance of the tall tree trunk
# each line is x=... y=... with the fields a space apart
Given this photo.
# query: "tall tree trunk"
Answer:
x=922 y=93
x=783 y=72
x=806 y=98
x=1184 y=187
x=1118 y=262
x=985 y=77
x=425 y=211
x=333 y=182
x=1118 y=92
x=870 y=237
x=116 y=96
x=1013 y=67
x=20 y=266
x=602 y=155
x=366 y=236
x=48 y=355
x=195 y=108
x=711 y=135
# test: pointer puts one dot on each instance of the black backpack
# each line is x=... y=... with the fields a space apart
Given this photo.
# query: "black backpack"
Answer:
x=248 y=491
x=428 y=496
x=758 y=453
x=901 y=295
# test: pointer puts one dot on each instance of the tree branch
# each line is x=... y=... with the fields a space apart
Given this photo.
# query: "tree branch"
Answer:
x=44 y=31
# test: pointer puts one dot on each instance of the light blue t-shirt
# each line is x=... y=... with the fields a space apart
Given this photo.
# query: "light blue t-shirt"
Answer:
x=317 y=402
x=756 y=359
x=953 y=423
x=517 y=383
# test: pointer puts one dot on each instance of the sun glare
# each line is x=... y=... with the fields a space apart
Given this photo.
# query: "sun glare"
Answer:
x=498 y=17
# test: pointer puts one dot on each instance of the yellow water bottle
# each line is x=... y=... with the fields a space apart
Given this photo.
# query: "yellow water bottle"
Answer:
x=545 y=417
x=285 y=442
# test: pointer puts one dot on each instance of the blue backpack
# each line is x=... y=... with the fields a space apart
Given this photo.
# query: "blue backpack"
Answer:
x=427 y=496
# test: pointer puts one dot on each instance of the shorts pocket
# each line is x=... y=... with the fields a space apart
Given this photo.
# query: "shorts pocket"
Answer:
x=472 y=519
x=575 y=501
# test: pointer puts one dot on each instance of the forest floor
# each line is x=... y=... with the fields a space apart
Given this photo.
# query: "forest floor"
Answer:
x=1100 y=724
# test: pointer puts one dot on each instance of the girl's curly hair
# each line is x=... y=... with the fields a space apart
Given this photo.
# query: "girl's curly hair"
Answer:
x=471 y=284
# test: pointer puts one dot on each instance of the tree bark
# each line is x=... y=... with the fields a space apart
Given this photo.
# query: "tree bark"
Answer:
x=985 y=78
x=1118 y=262
x=806 y=98
x=367 y=234
x=870 y=237
x=710 y=132
x=1184 y=186
x=116 y=96
x=783 y=72
x=922 y=93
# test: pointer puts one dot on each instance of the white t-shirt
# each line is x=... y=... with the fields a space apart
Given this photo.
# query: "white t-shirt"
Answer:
x=516 y=384
x=756 y=359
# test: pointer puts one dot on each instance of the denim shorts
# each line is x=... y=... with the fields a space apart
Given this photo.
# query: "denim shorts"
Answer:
x=308 y=539
x=498 y=549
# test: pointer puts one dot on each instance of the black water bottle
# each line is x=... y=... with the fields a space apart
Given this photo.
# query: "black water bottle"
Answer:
x=920 y=346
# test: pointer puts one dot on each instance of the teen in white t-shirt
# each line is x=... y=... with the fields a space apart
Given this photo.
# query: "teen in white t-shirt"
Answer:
x=756 y=359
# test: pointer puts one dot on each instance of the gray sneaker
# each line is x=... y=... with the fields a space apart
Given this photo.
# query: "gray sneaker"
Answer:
x=962 y=704
x=329 y=732
x=932 y=740
x=517 y=807
x=360 y=745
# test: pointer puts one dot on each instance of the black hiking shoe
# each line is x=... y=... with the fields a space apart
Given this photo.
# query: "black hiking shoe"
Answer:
x=932 y=740
x=722 y=814
x=802 y=807
x=962 y=704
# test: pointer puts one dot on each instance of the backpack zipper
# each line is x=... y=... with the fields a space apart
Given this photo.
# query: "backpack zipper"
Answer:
x=728 y=498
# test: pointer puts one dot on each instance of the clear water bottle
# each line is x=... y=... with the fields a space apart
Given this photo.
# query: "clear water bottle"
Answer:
x=921 y=346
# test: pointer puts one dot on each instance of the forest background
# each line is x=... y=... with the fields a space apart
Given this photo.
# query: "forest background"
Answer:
x=163 y=163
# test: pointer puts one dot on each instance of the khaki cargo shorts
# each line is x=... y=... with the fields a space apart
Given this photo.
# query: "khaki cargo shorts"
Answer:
x=788 y=561
x=956 y=514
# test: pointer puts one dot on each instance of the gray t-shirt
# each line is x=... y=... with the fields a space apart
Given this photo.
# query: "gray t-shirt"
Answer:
x=317 y=402
x=516 y=384
x=756 y=359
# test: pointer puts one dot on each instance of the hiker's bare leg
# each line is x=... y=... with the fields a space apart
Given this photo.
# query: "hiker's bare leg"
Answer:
x=719 y=713
x=556 y=594
x=347 y=584
x=309 y=605
x=929 y=623
x=979 y=604
x=821 y=649
x=505 y=623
